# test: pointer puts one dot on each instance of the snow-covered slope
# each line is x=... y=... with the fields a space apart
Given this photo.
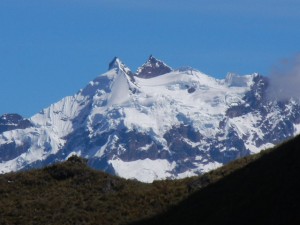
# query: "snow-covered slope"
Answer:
x=159 y=123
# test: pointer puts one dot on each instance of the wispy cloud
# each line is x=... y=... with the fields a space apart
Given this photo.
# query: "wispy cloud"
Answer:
x=285 y=79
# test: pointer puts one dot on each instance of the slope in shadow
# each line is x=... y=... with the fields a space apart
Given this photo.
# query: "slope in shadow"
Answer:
x=266 y=191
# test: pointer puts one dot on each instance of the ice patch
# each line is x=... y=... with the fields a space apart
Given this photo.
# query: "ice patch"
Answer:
x=146 y=170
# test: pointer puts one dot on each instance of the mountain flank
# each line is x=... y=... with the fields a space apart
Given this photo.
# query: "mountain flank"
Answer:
x=265 y=191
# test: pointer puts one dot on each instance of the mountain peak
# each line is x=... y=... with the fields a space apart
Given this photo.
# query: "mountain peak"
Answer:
x=153 y=68
x=116 y=63
x=152 y=58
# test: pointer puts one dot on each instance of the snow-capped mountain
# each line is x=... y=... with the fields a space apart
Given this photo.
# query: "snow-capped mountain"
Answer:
x=156 y=123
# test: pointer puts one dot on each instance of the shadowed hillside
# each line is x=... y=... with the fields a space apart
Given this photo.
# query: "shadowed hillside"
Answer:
x=72 y=193
x=266 y=191
x=258 y=189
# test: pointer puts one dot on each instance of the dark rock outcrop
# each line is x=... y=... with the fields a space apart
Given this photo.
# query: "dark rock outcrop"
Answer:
x=153 y=68
x=12 y=122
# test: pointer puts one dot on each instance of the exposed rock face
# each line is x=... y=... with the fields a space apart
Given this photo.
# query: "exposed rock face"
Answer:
x=153 y=68
x=13 y=122
x=9 y=122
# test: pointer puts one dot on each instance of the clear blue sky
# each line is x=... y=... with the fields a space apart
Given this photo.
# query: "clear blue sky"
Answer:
x=51 y=48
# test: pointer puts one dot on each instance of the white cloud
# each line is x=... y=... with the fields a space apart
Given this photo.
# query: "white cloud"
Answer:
x=285 y=79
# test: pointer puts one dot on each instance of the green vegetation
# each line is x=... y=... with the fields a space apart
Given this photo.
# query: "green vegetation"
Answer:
x=72 y=193
x=259 y=189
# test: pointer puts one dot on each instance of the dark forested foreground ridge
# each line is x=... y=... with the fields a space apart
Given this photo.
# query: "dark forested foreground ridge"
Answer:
x=72 y=193
x=266 y=191
x=259 y=189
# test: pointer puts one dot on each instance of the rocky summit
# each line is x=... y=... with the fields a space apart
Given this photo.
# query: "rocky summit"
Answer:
x=157 y=123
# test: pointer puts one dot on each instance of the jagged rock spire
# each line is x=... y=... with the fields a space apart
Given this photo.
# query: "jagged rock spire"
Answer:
x=153 y=68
